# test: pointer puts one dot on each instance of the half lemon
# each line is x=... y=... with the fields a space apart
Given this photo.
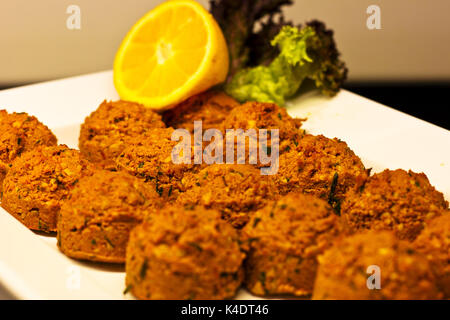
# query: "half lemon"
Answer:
x=175 y=51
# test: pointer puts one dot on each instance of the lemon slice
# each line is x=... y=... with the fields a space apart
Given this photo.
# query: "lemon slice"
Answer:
x=175 y=51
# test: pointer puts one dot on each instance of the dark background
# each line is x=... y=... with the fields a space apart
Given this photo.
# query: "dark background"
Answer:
x=425 y=100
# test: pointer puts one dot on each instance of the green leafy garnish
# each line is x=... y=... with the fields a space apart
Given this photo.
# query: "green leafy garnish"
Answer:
x=305 y=53
x=247 y=45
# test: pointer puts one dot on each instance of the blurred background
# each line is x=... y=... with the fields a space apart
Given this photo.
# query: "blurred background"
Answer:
x=405 y=64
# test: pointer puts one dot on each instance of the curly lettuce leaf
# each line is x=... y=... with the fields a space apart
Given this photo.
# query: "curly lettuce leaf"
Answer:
x=238 y=20
x=329 y=72
x=282 y=77
x=304 y=53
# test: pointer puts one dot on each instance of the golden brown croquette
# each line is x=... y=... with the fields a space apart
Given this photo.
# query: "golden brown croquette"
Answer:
x=109 y=129
x=39 y=182
x=151 y=160
x=434 y=243
x=260 y=115
x=394 y=200
x=210 y=107
x=236 y=190
x=326 y=168
x=282 y=242
x=255 y=116
x=19 y=133
x=344 y=270
x=95 y=221
x=184 y=254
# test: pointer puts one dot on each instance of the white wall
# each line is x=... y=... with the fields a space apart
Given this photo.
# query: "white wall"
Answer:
x=413 y=44
x=35 y=45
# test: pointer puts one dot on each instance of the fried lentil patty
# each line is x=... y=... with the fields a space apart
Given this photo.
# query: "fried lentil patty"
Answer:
x=39 y=182
x=233 y=189
x=210 y=107
x=394 y=200
x=184 y=254
x=283 y=240
x=255 y=116
x=19 y=133
x=151 y=160
x=109 y=129
x=261 y=115
x=434 y=243
x=326 y=168
x=404 y=273
x=95 y=221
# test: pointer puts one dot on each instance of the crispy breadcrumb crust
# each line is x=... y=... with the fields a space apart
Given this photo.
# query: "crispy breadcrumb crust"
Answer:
x=19 y=133
x=236 y=190
x=39 y=182
x=317 y=165
x=210 y=107
x=184 y=254
x=151 y=160
x=343 y=270
x=282 y=242
x=109 y=129
x=260 y=115
x=434 y=243
x=95 y=221
x=394 y=200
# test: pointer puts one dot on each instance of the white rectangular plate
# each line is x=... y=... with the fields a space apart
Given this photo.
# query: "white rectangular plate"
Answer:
x=31 y=267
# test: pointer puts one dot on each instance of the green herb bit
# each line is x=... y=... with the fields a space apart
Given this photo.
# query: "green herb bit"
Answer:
x=109 y=242
x=128 y=289
x=256 y=221
x=196 y=246
x=144 y=268
x=159 y=189
x=239 y=173
x=333 y=186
